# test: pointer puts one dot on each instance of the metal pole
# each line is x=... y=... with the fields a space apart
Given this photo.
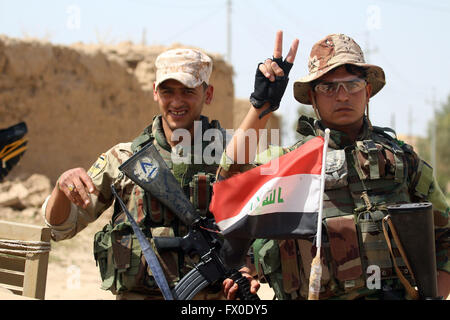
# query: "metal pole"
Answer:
x=433 y=135
x=229 y=31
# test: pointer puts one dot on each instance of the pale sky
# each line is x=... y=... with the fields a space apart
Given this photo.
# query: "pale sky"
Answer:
x=408 y=39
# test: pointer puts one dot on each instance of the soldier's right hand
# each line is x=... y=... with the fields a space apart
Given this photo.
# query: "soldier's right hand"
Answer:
x=230 y=288
x=76 y=185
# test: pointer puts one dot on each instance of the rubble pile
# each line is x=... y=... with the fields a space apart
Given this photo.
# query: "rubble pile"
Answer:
x=21 y=200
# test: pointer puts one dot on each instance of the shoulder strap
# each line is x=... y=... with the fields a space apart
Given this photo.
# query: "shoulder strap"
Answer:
x=305 y=126
x=385 y=132
x=142 y=140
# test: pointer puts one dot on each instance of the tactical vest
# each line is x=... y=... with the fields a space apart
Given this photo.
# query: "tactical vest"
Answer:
x=362 y=179
x=119 y=255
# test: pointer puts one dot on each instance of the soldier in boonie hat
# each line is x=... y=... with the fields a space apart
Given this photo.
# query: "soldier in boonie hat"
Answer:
x=189 y=66
x=367 y=169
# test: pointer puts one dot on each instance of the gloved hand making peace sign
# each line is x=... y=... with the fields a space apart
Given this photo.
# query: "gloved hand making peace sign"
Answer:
x=271 y=77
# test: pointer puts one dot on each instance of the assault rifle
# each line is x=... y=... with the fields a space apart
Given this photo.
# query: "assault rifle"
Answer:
x=148 y=170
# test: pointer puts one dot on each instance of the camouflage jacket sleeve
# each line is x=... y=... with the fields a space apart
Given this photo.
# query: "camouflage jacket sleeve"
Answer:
x=104 y=172
x=269 y=154
x=423 y=186
x=227 y=168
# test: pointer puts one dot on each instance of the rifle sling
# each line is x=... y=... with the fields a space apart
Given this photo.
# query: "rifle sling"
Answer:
x=409 y=288
x=148 y=252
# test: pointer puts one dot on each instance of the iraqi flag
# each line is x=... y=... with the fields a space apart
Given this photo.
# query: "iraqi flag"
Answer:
x=281 y=205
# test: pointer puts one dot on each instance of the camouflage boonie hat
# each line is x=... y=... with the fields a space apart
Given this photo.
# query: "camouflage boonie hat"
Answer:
x=190 y=67
x=330 y=53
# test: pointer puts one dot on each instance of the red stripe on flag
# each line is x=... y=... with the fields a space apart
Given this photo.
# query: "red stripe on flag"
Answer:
x=231 y=195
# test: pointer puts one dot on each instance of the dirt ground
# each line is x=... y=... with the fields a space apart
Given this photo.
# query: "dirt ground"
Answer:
x=72 y=273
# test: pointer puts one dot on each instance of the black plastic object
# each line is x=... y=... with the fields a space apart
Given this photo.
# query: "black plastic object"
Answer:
x=12 y=147
x=415 y=227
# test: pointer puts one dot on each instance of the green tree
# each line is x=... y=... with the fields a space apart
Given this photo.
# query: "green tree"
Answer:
x=442 y=170
x=443 y=145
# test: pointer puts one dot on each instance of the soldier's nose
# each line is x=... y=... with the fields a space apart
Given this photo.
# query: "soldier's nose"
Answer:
x=341 y=94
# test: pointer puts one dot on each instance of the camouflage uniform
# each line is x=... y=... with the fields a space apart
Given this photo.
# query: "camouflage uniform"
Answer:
x=117 y=251
x=363 y=177
x=360 y=183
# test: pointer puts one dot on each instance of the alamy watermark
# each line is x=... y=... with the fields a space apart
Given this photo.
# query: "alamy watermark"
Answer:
x=73 y=21
x=373 y=21
x=207 y=147
x=374 y=280
x=73 y=281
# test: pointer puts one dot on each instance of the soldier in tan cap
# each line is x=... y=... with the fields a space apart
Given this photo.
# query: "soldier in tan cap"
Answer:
x=181 y=90
x=367 y=170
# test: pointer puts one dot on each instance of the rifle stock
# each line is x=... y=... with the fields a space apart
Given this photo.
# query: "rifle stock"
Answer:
x=148 y=170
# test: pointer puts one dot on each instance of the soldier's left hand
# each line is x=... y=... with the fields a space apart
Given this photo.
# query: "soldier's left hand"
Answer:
x=276 y=67
x=271 y=77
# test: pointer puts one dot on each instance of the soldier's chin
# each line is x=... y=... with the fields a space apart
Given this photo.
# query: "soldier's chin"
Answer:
x=347 y=119
x=180 y=125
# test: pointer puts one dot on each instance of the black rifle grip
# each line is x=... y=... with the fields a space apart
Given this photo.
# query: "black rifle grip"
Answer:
x=243 y=287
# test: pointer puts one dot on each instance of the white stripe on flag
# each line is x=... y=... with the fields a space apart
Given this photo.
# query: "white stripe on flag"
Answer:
x=295 y=193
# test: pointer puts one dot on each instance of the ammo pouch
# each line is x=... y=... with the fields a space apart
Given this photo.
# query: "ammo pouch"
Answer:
x=201 y=190
x=268 y=265
x=375 y=160
x=336 y=172
x=112 y=253
x=286 y=265
x=118 y=258
x=374 y=247
x=103 y=257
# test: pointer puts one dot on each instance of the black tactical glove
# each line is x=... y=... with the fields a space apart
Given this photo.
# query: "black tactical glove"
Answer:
x=267 y=91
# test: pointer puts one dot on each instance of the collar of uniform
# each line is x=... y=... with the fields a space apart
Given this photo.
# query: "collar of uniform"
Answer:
x=339 y=139
x=158 y=131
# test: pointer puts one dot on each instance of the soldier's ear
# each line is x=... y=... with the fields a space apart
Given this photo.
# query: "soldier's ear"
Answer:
x=209 y=94
x=310 y=95
x=368 y=91
x=155 y=94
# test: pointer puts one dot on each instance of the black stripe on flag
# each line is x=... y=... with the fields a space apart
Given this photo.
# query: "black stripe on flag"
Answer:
x=280 y=225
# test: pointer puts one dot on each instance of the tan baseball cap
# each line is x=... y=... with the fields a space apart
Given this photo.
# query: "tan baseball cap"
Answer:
x=330 y=53
x=189 y=66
